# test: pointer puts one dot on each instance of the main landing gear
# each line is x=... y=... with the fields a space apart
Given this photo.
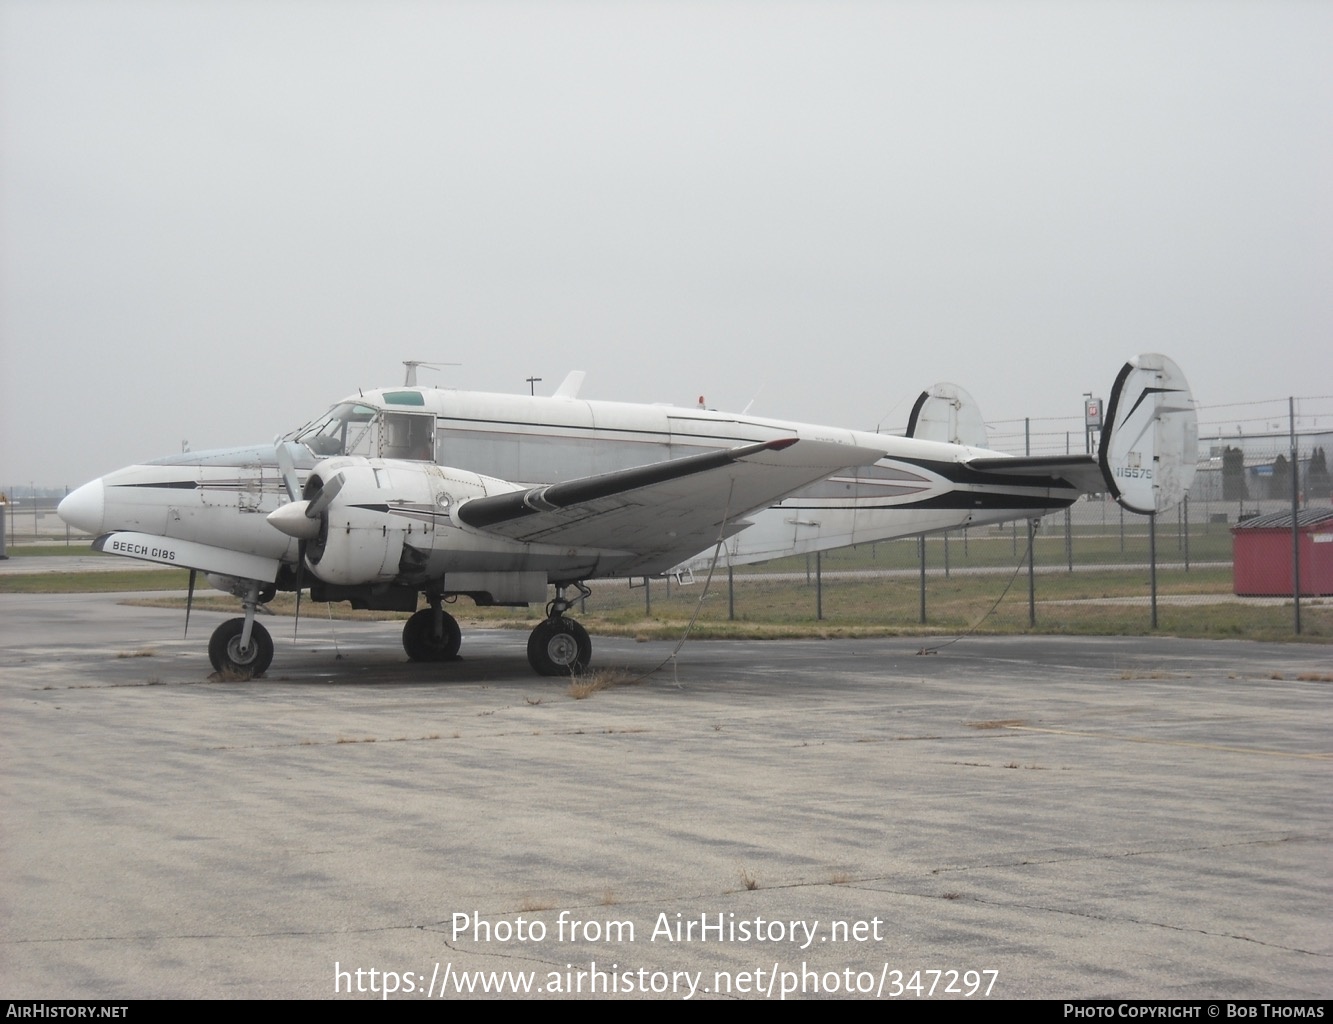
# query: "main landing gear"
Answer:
x=242 y=647
x=432 y=634
x=559 y=646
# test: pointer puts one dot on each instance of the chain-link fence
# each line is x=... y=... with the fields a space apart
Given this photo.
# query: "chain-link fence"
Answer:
x=1223 y=563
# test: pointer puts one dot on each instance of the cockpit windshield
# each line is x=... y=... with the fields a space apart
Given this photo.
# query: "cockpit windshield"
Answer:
x=353 y=428
x=345 y=430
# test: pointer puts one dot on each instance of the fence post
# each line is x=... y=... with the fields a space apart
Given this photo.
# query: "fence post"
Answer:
x=819 y=585
x=1069 y=522
x=1032 y=572
x=1295 y=527
x=921 y=552
x=1032 y=535
x=1185 y=502
x=731 y=593
x=1152 y=563
x=1069 y=538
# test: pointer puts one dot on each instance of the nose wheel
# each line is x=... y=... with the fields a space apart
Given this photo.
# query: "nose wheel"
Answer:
x=242 y=647
x=229 y=653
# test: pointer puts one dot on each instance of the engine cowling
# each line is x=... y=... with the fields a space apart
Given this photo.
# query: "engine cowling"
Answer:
x=358 y=539
x=365 y=521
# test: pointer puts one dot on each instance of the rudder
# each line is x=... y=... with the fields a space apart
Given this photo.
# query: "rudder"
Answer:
x=1150 y=444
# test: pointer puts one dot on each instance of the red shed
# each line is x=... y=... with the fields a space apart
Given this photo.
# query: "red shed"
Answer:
x=1261 y=554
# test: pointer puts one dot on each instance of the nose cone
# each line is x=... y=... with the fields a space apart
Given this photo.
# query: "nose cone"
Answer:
x=85 y=507
x=291 y=520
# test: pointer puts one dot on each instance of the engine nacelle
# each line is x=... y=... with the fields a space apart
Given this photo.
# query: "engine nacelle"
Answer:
x=367 y=521
x=359 y=539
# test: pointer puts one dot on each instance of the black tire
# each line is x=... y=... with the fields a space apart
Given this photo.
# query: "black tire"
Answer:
x=559 y=647
x=224 y=650
x=420 y=643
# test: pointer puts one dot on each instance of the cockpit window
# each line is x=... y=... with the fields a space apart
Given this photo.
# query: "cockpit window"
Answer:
x=346 y=430
x=356 y=429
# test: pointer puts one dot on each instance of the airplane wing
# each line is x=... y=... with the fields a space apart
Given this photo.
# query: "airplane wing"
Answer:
x=666 y=511
x=1080 y=471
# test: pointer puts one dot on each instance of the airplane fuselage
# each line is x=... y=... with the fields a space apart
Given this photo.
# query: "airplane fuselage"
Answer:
x=472 y=444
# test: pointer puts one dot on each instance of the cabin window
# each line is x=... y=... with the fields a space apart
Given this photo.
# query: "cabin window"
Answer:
x=408 y=436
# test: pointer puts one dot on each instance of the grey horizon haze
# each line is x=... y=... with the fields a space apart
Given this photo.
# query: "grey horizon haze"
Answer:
x=217 y=218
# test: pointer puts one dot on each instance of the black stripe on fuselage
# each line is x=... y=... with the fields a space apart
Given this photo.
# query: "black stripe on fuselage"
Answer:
x=961 y=473
x=177 y=485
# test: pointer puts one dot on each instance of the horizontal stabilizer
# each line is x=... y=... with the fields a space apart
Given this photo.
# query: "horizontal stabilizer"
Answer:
x=1149 y=446
x=1081 y=471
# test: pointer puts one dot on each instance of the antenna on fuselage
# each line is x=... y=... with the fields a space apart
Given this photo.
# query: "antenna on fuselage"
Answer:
x=410 y=380
x=750 y=403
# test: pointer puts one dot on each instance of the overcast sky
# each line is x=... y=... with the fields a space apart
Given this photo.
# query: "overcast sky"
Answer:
x=217 y=218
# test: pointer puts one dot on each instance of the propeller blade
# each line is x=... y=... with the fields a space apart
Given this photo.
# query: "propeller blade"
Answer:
x=189 y=601
x=326 y=494
x=287 y=467
x=300 y=573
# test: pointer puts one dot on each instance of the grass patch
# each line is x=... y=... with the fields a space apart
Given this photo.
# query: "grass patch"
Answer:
x=778 y=600
x=74 y=547
x=888 y=606
x=96 y=582
x=586 y=685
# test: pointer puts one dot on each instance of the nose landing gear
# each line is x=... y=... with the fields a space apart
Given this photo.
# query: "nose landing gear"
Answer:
x=242 y=647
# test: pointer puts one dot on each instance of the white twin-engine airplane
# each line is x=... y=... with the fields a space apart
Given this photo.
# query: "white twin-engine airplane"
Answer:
x=415 y=491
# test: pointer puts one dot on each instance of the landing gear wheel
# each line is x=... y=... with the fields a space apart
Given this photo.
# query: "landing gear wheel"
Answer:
x=421 y=644
x=227 y=655
x=559 y=647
